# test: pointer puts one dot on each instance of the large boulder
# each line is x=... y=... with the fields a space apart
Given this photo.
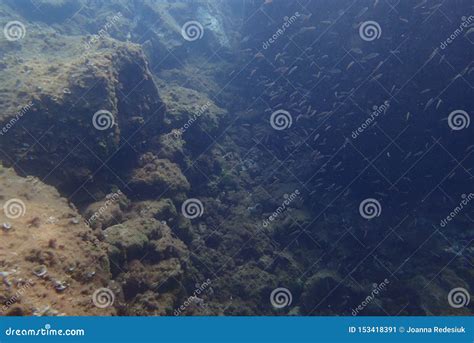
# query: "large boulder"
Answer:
x=127 y=240
x=157 y=177
x=107 y=212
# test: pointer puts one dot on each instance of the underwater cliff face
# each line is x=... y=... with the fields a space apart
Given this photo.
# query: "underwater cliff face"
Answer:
x=238 y=157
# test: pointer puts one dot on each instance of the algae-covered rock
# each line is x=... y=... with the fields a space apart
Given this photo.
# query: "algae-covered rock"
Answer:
x=190 y=111
x=128 y=240
x=146 y=256
x=84 y=103
x=108 y=212
x=170 y=146
x=168 y=247
x=156 y=177
x=143 y=237
x=163 y=209
x=151 y=303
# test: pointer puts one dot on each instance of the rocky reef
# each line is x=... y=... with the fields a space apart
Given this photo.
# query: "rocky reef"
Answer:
x=150 y=181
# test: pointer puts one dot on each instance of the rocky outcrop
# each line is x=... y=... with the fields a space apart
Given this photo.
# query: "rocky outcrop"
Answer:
x=70 y=110
x=157 y=177
x=107 y=212
x=150 y=264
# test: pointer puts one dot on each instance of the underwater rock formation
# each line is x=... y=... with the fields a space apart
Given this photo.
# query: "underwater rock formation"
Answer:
x=128 y=118
x=149 y=262
x=107 y=212
x=50 y=261
x=85 y=105
x=157 y=176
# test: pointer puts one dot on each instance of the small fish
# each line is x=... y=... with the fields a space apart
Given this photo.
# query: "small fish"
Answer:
x=429 y=103
x=420 y=4
x=376 y=77
x=292 y=70
x=418 y=153
x=371 y=56
x=306 y=29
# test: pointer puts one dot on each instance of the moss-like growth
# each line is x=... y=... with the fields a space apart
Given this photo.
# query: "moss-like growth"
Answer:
x=190 y=111
x=157 y=177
